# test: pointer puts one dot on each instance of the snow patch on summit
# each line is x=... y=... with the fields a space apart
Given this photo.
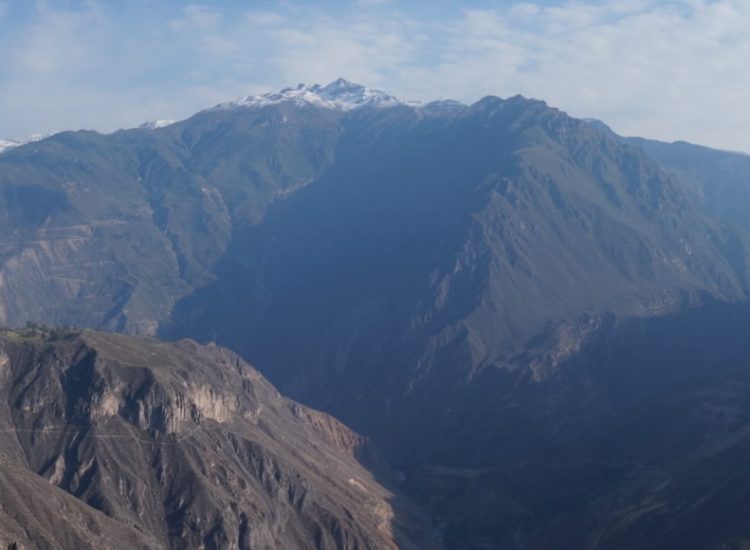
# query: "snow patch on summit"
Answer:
x=7 y=144
x=155 y=124
x=340 y=95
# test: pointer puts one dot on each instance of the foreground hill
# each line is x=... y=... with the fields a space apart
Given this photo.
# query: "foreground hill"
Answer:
x=35 y=514
x=110 y=441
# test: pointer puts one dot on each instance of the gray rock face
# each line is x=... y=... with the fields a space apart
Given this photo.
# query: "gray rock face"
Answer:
x=125 y=441
x=35 y=514
x=717 y=181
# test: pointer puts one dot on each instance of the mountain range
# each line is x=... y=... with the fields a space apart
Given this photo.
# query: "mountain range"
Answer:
x=541 y=324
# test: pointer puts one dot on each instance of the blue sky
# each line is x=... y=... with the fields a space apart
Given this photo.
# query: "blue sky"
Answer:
x=664 y=69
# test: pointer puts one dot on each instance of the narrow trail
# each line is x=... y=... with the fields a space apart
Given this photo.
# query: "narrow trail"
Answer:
x=174 y=441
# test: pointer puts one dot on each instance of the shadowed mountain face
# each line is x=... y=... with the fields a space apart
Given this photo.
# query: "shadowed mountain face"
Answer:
x=634 y=440
x=183 y=445
x=441 y=244
x=452 y=284
x=505 y=298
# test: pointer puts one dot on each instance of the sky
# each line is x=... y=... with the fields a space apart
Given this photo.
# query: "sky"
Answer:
x=663 y=69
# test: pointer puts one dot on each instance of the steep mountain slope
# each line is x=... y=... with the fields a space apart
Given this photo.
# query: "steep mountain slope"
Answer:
x=441 y=243
x=620 y=445
x=719 y=181
x=109 y=231
x=35 y=514
x=444 y=282
x=187 y=445
x=716 y=182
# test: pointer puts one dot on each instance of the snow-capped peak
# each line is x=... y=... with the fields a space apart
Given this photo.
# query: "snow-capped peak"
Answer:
x=340 y=95
x=154 y=124
x=6 y=144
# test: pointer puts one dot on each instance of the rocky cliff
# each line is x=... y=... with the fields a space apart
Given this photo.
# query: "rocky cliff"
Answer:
x=117 y=440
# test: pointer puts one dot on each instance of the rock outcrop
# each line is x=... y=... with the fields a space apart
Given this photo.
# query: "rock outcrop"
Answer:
x=118 y=440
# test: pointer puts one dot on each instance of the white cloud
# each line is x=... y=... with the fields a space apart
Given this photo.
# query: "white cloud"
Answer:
x=667 y=71
x=264 y=18
x=198 y=16
x=672 y=71
x=371 y=3
x=364 y=50
x=524 y=10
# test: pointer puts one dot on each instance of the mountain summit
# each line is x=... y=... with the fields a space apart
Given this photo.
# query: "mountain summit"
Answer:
x=341 y=94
